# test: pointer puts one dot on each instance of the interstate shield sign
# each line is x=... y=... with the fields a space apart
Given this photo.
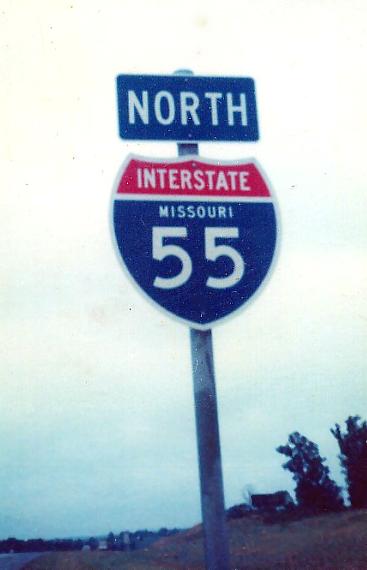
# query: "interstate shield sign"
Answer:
x=196 y=236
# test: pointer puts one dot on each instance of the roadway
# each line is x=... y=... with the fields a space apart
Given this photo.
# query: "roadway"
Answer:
x=18 y=560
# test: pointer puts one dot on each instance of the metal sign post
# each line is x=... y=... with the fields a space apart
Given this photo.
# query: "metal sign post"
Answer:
x=208 y=442
x=210 y=464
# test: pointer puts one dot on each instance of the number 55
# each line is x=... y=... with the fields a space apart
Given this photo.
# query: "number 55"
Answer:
x=212 y=252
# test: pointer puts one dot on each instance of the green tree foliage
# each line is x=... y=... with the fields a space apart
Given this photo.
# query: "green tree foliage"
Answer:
x=314 y=488
x=353 y=458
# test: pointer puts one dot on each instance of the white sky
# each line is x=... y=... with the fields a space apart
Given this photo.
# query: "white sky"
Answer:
x=97 y=417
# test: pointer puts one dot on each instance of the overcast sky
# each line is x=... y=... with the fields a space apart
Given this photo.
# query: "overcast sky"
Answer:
x=97 y=416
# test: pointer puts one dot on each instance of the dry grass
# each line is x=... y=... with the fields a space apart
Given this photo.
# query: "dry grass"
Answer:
x=328 y=542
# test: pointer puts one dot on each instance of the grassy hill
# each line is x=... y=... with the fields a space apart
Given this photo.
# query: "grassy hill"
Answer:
x=333 y=541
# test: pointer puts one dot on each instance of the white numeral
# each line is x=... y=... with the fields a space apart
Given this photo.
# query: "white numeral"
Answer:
x=160 y=251
x=213 y=251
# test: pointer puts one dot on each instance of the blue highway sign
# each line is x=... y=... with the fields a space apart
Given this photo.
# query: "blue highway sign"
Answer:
x=187 y=108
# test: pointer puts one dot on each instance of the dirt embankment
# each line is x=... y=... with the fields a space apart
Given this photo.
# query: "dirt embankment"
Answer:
x=328 y=542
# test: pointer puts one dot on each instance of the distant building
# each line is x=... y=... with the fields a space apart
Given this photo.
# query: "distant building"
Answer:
x=271 y=501
x=126 y=540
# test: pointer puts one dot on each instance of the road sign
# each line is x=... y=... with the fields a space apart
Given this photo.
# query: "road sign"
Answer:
x=197 y=236
x=187 y=108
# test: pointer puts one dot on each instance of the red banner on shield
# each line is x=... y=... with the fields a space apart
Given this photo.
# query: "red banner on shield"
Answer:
x=193 y=177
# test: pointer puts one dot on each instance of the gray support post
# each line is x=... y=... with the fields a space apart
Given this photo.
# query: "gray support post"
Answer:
x=207 y=433
x=210 y=465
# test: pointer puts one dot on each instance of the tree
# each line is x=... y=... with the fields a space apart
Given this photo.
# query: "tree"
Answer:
x=353 y=458
x=93 y=543
x=314 y=488
x=111 y=541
